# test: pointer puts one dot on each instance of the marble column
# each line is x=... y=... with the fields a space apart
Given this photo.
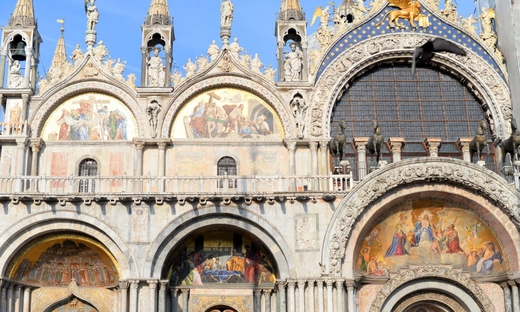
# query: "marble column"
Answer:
x=433 y=145
x=2 y=69
x=314 y=164
x=341 y=295
x=3 y=293
x=134 y=301
x=321 y=302
x=168 y=66
x=144 y=62
x=361 y=147
x=257 y=300
x=124 y=295
x=116 y=293
x=324 y=163
x=396 y=145
x=507 y=297
x=152 y=298
x=301 y=294
x=310 y=300
x=463 y=145
x=20 y=166
x=282 y=307
x=267 y=297
x=139 y=147
x=35 y=147
x=162 y=296
x=351 y=305
x=514 y=296
x=17 y=298
x=330 y=304
x=174 y=300
x=291 y=146
x=27 y=299
x=10 y=301
x=185 y=299
x=291 y=304
x=27 y=73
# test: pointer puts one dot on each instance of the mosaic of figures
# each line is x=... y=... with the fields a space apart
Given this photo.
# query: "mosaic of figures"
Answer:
x=227 y=113
x=430 y=232
x=91 y=116
x=65 y=262
x=221 y=265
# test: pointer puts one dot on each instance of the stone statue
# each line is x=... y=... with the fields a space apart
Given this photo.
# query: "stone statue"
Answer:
x=77 y=56
x=15 y=75
x=234 y=48
x=156 y=74
x=153 y=111
x=100 y=51
x=92 y=14
x=299 y=109
x=190 y=68
x=202 y=63
x=270 y=73
x=293 y=64
x=226 y=10
x=118 y=69
x=469 y=23
x=176 y=78
x=213 y=51
x=256 y=65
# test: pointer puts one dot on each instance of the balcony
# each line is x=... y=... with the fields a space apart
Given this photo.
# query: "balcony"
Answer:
x=201 y=188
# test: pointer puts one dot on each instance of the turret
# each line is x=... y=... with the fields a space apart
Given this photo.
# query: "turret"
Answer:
x=157 y=46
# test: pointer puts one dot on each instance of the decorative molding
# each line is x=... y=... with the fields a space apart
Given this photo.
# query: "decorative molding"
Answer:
x=481 y=181
x=335 y=79
x=457 y=278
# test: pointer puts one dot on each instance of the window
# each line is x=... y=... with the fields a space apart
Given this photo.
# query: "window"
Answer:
x=227 y=166
x=87 y=168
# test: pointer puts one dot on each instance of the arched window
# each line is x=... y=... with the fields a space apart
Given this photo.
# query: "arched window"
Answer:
x=87 y=168
x=227 y=166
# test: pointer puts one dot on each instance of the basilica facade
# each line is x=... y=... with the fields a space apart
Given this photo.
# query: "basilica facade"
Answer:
x=340 y=181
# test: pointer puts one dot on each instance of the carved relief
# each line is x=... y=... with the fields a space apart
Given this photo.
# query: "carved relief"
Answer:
x=306 y=232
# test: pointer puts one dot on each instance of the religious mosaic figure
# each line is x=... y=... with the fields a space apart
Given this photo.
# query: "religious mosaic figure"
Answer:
x=15 y=75
x=156 y=74
x=92 y=14
x=293 y=64
x=226 y=10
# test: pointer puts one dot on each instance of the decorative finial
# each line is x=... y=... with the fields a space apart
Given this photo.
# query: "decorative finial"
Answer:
x=62 y=22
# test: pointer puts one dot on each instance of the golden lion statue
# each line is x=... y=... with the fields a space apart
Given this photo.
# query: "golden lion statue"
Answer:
x=408 y=9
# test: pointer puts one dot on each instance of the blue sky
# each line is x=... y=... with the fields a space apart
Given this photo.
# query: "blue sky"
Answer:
x=196 y=25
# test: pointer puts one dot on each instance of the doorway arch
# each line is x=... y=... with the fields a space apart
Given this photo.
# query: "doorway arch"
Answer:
x=221 y=309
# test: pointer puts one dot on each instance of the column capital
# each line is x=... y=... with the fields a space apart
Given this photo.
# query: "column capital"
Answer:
x=504 y=285
x=463 y=144
x=36 y=144
x=152 y=284
x=281 y=284
x=432 y=145
x=124 y=284
x=291 y=145
x=313 y=145
x=162 y=145
x=267 y=291
x=329 y=282
x=396 y=144
x=164 y=284
x=258 y=292
x=21 y=142
x=512 y=283
x=185 y=291
x=361 y=143
x=134 y=284
x=139 y=144
x=291 y=283
x=351 y=284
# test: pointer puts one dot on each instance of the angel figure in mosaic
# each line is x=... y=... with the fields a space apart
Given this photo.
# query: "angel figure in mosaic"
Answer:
x=409 y=10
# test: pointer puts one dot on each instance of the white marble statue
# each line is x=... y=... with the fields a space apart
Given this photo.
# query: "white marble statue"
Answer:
x=213 y=51
x=15 y=75
x=92 y=14
x=235 y=49
x=226 y=10
x=156 y=74
x=293 y=64
x=190 y=68
x=256 y=65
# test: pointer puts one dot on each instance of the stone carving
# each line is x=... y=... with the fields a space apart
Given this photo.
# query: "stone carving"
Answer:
x=77 y=56
x=190 y=68
x=245 y=60
x=131 y=81
x=213 y=51
x=226 y=10
x=458 y=278
x=317 y=115
x=226 y=64
x=118 y=69
x=472 y=176
x=270 y=73
x=92 y=14
x=256 y=65
x=139 y=225
x=293 y=64
x=299 y=109
x=430 y=296
x=450 y=11
x=176 y=78
x=202 y=63
x=156 y=74
x=100 y=52
x=469 y=24
x=153 y=111
x=15 y=75
x=306 y=233
x=235 y=49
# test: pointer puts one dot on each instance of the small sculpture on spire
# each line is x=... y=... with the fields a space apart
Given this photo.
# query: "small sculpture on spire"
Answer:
x=226 y=10
x=92 y=14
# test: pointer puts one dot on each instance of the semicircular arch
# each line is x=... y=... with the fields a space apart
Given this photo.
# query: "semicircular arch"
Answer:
x=174 y=233
x=382 y=187
x=263 y=91
x=480 y=75
x=52 y=101
x=22 y=232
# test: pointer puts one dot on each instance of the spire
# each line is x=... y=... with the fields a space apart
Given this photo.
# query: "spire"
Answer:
x=159 y=13
x=291 y=10
x=23 y=14
x=60 y=55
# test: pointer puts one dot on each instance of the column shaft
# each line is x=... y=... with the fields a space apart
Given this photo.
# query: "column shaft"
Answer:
x=133 y=296
x=321 y=303
x=507 y=297
x=330 y=304
x=26 y=299
x=124 y=296
x=290 y=296
x=514 y=296
x=162 y=297
x=310 y=301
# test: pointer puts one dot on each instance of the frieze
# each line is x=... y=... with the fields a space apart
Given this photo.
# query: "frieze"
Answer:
x=457 y=277
x=265 y=92
x=468 y=175
x=351 y=62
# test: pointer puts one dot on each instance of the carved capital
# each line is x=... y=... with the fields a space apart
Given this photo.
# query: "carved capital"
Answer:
x=361 y=144
x=313 y=146
x=291 y=145
x=329 y=283
x=36 y=145
x=291 y=284
x=463 y=144
x=396 y=144
x=432 y=145
x=134 y=284
x=161 y=145
x=139 y=145
x=152 y=284
x=280 y=285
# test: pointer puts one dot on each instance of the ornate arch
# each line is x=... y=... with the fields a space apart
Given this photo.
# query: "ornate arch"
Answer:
x=10 y=38
x=52 y=100
x=267 y=93
x=173 y=233
x=44 y=299
x=481 y=76
x=418 y=279
x=467 y=176
x=23 y=231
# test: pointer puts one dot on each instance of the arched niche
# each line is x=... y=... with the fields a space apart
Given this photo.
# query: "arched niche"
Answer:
x=57 y=260
x=227 y=113
x=475 y=188
x=265 y=94
x=90 y=116
x=259 y=231
x=72 y=304
x=74 y=90
x=220 y=254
